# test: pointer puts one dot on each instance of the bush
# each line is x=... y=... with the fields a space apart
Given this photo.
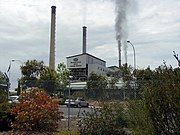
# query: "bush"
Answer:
x=5 y=116
x=36 y=111
x=66 y=132
x=105 y=121
x=138 y=118
x=157 y=112
x=5 y=112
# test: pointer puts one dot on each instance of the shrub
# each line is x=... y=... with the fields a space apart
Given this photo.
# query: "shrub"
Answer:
x=138 y=118
x=5 y=112
x=105 y=121
x=66 y=132
x=157 y=112
x=36 y=111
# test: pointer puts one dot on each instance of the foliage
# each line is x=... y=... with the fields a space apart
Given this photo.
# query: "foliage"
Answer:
x=112 y=82
x=2 y=78
x=36 y=111
x=144 y=74
x=138 y=118
x=123 y=72
x=31 y=72
x=48 y=80
x=3 y=97
x=4 y=82
x=162 y=99
x=107 y=120
x=5 y=115
x=36 y=74
x=159 y=101
x=67 y=133
x=95 y=85
x=63 y=75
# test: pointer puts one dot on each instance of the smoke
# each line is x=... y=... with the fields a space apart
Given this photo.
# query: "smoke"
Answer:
x=121 y=7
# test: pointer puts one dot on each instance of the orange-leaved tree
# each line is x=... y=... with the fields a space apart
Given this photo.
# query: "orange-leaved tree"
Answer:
x=36 y=111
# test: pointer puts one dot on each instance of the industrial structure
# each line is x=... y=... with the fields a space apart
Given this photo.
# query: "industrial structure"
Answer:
x=52 y=39
x=82 y=65
x=119 y=52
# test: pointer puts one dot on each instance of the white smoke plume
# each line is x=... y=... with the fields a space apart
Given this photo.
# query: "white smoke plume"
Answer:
x=121 y=7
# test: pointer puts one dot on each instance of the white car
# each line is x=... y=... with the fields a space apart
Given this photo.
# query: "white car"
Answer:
x=13 y=99
x=72 y=103
x=80 y=102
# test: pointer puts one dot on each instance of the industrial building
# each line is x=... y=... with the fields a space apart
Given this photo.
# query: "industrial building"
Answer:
x=82 y=65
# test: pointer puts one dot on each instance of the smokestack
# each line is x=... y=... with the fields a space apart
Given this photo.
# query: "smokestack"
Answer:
x=52 y=39
x=119 y=50
x=84 y=39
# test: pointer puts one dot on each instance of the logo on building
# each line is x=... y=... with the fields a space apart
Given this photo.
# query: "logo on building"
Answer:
x=75 y=59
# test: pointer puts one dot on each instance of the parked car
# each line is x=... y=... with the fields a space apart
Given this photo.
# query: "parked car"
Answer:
x=72 y=102
x=13 y=99
x=80 y=102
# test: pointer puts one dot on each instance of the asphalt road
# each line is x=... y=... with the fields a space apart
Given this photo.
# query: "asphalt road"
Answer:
x=74 y=112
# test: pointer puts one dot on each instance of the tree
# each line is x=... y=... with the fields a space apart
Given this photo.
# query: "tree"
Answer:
x=36 y=111
x=96 y=84
x=31 y=73
x=112 y=82
x=4 y=82
x=63 y=75
x=143 y=76
x=2 y=78
x=36 y=74
x=48 y=80
x=160 y=98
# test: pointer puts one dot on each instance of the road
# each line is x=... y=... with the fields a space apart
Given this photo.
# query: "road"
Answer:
x=74 y=112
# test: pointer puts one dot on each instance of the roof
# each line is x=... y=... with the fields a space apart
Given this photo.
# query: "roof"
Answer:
x=77 y=85
x=86 y=54
x=114 y=67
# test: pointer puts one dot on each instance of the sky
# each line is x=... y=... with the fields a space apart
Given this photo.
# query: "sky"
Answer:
x=152 y=26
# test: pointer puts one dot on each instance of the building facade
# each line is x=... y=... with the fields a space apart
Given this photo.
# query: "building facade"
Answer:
x=82 y=65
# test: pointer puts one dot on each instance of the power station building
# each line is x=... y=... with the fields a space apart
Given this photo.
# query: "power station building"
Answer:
x=82 y=65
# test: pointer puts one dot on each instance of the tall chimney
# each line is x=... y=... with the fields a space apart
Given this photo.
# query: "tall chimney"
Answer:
x=84 y=39
x=119 y=51
x=52 y=39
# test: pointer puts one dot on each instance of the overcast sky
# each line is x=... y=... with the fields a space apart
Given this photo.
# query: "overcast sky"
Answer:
x=153 y=26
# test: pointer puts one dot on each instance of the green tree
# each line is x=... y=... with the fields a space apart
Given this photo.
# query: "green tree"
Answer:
x=49 y=80
x=4 y=82
x=31 y=73
x=2 y=78
x=159 y=101
x=63 y=76
x=36 y=74
x=112 y=82
x=96 y=85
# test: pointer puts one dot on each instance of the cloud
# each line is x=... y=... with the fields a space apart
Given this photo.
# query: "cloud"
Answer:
x=153 y=28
